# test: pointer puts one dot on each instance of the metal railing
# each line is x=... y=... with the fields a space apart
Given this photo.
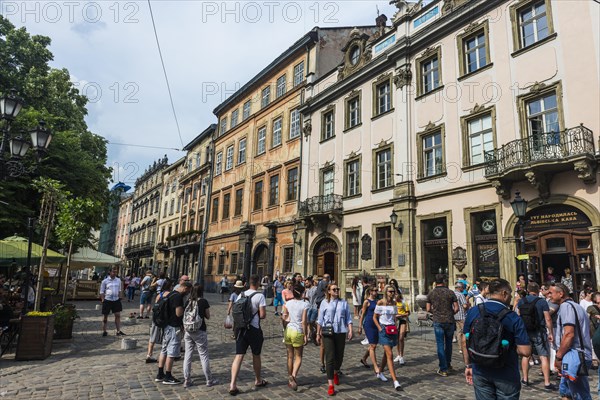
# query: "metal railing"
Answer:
x=550 y=146
x=321 y=204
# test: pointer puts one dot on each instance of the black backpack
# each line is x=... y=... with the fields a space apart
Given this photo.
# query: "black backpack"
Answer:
x=529 y=315
x=484 y=340
x=242 y=311
x=160 y=312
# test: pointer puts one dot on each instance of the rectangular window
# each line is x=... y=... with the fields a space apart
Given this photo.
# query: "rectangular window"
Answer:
x=265 y=97
x=274 y=190
x=292 y=184
x=234 y=118
x=226 y=205
x=533 y=23
x=165 y=208
x=261 y=142
x=294 y=124
x=215 y=210
x=384 y=168
x=430 y=74
x=221 y=264
x=242 y=151
x=219 y=164
x=239 y=198
x=384 y=247
x=432 y=154
x=353 y=112
x=196 y=191
x=288 y=259
x=234 y=263
x=384 y=97
x=229 y=158
x=481 y=138
x=299 y=74
x=197 y=160
x=276 y=137
x=543 y=126
x=246 y=111
x=353 y=178
x=328 y=181
x=223 y=128
x=172 y=208
x=280 y=86
x=258 y=195
x=328 y=128
x=475 y=52
x=210 y=265
x=352 y=249
x=204 y=186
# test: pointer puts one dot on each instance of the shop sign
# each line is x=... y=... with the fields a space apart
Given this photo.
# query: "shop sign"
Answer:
x=556 y=216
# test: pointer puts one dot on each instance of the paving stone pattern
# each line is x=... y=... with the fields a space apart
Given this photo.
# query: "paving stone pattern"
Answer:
x=94 y=367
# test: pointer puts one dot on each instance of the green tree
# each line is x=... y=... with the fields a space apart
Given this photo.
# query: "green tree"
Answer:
x=76 y=156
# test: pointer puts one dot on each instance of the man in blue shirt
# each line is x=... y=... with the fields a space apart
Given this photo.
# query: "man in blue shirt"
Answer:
x=499 y=383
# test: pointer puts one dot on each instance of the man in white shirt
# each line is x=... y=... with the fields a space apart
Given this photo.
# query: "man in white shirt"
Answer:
x=252 y=337
x=111 y=290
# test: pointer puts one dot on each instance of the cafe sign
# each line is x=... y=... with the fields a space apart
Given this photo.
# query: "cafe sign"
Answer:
x=556 y=217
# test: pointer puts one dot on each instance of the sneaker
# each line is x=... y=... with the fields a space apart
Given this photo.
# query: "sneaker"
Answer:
x=150 y=360
x=365 y=341
x=531 y=363
x=120 y=333
x=454 y=340
x=187 y=383
x=336 y=378
x=397 y=386
x=381 y=377
x=524 y=382
x=139 y=317
x=331 y=390
x=441 y=373
x=397 y=359
x=212 y=382
x=104 y=333
x=322 y=369
x=171 y=380
x=401 y=361
x=146 y=317
x=550 y=387
x=159 y=378
x=277 y=314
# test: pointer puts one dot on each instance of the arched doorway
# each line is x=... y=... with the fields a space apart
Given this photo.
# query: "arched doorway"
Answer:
x=260 y=260
x=326 y=258
x=556 y=236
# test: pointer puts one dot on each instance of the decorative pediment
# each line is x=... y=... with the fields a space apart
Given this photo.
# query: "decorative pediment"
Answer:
x=428 y=52
x=383 y=143
x=357 y=54
x=352 y=94
x=328 y=164
x=451 y=5
x=430 y=126
x=405 y=8
x=352 y=155
x=537 y=87
x=477 y=108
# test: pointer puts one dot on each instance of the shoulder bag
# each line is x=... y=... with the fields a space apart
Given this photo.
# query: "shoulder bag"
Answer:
x=327 y=329
x=583 y=369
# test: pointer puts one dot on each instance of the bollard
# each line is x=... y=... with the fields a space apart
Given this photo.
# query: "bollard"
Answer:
x=98 y=307
x=128 y=344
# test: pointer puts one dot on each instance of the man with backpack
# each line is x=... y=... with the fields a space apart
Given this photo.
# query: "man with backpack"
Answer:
x=248 y=310
x=535 y=313
x=494 y=338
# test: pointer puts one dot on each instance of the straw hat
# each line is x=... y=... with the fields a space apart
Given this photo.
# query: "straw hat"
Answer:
x=239 y=285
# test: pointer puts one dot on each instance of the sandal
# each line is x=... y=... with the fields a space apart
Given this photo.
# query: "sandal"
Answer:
x=234 y=392
x=293 y=384
x=262 y=383
x=364 y=363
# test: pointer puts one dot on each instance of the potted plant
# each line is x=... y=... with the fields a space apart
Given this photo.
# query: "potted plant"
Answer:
x=64 y=315
x=35 y=338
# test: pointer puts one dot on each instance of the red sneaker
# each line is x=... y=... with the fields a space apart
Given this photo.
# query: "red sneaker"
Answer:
x=336 y=379
x=331 y=390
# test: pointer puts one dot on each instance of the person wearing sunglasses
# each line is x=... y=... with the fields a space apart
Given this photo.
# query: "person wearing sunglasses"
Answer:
x=385 y=320
x=371 y=331
x=334 y=324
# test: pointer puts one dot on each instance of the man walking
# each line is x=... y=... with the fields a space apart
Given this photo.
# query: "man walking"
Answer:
x=492 y=382
x=459 y=317
x=111 y=291
x=278 y=289
x=171 y=342
x=535 y=313
x=251 y=337
x=573 y=343
x=443 y=304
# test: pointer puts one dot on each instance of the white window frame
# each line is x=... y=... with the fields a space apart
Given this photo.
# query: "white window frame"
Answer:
x=261 y=142
x=432 y=150
x=479 y=50
x=265 y=97
x=229 y=158
x=384 y=100
x=219 y=163
x=354 y=112
x=281 y=86
x=384 y=168
x=246 y=110
x=353 y=177
x=223 y=126
x=484 y=135
x=234 y=117
x=294 y=123
x=299 y=73
x=276 y=132
x=532 y=20
x=242 y=151
x=328 y=125
x=429 y=72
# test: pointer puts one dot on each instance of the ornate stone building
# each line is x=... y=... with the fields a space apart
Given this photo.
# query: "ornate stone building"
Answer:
x=123 y=225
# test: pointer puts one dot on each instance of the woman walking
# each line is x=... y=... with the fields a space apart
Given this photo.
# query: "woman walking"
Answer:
x=385 y=320
x=402 y=316
x=195 y=335
x=356 y=296
x=287 y=293
x=333 y=326
x=295 y=312
x=371 y=332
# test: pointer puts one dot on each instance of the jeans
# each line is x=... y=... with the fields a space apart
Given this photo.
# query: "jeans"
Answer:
x=130 y=292
x=489 y=388
x=580 y=389
x=196 y=341
x=444 y=333
x=334 y=352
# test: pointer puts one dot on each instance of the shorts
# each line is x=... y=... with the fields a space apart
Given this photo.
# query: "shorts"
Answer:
x=293 y=338
x=146 y=297
x=539 y=342
x=312 y=314
x=114 y=306
x=171 y=342
x=278 y=300
x=387 y=340
x=252 y=337
x=156 y=334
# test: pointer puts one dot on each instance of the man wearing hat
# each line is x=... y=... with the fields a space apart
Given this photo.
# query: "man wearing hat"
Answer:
x=237 y=289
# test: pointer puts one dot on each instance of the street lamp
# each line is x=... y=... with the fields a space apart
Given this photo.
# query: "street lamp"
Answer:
x=10 y=106
x=519 y=206
x=394 y=220
x=295 y=238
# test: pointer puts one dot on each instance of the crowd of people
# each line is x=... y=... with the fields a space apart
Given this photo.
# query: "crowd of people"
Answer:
x=493 y=326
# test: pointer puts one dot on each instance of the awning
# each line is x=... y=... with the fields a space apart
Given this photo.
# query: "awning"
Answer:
x=14 y=249
x=87 y=257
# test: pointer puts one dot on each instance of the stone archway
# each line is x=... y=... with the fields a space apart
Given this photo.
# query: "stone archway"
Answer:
x=260 y=260
x=326 y=258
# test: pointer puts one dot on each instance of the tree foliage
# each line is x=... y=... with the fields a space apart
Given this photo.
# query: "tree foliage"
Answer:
x=76 y=157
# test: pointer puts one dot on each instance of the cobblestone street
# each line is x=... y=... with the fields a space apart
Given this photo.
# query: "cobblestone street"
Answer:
x=91 y=366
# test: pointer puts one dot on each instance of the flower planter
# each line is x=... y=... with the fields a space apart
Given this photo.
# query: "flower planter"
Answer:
x=63 y=323
x=35 y=339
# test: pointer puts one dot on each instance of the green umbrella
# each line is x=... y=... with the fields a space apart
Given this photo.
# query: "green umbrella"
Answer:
x=14 y=249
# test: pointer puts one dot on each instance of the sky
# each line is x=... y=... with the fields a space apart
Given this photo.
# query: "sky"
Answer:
x=209 y=50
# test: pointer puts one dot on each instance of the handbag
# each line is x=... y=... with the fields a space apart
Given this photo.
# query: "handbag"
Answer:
x=327 y=330
x=391 y=330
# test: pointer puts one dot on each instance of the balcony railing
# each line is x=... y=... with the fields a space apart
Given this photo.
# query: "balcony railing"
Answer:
x=540 y=148
x=321 y=205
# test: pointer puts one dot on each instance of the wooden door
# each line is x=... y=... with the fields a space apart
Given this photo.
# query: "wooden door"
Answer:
x=320 y=268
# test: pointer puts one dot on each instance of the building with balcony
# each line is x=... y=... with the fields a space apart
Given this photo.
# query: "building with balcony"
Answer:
x=256 y=171
x=144 y=218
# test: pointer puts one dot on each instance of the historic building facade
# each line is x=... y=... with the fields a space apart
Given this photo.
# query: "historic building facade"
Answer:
x=256 y=170
x=415 y=152
x=123 y=225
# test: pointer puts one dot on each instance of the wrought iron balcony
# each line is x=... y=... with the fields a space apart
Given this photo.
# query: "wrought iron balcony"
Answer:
x=554 y=150
x=321 y=205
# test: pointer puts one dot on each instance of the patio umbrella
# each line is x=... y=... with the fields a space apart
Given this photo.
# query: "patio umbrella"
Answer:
x=14 y=249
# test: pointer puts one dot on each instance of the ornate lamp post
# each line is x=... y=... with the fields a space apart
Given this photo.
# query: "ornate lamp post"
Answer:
x=519 y=206
x=10 y=106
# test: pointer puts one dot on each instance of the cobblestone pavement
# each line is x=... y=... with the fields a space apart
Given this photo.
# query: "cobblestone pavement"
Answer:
x=92 y=367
